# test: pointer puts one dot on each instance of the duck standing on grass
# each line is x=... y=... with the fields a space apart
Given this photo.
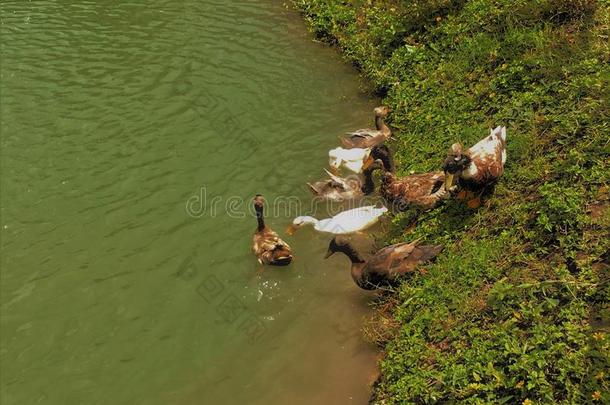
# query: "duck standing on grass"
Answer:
x=477 y=170
x=368 y=137
x=266 y=244
x=424 y=191
x=385 y=267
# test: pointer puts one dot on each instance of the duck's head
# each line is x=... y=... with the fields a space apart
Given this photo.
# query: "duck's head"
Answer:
x=382 y=111
x=456 y=162
x=338 y=244
x=381 y=153
x=299 y=222
x=369 y=186
x=259 y=202
x=342 y=244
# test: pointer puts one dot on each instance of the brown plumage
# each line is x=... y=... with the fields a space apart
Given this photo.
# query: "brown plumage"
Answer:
x=424 y=190
x=368 y=137
x=266 y=244
x=388 y=265
x=337 y=188
x=340 y=189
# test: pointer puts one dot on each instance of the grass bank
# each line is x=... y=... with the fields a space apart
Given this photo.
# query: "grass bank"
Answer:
x=515 y=310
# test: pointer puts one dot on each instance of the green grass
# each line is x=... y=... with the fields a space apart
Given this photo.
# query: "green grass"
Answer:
x=515 y=310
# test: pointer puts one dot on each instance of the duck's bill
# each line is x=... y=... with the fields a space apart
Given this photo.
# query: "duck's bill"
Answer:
x=291 y=229
x=449 y=178
x=367 y=162
x=328 y=254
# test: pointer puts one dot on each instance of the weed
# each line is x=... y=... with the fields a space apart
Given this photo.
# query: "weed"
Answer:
x=515 y=310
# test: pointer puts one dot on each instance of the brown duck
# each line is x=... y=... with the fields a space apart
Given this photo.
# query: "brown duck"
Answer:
x=340 y=189
x=368 y=137
x=385 y=267
x=266 y=244
x=424 y=190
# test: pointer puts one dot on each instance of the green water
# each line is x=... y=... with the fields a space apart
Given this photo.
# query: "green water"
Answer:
x=114 y=117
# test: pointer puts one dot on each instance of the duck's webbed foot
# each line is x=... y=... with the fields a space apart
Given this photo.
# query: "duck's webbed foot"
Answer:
x=474 y=203
x=461 y=196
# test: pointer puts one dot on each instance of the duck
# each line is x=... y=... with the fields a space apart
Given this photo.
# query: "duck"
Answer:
x=352 y=159
x=476 y=170
x=339 y=189
x=357 y=159
x=266 y=244
x=387 y=266
x=368 y=137
x=422 y=190
x=346 y=222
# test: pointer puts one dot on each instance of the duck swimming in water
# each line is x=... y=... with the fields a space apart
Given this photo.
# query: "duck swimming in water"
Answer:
x=368 y=137
x=266 y=244
x=352 y=159
x=339 y=189
x=346 y=222
x=385 y=267
x=357 y=160
x=477 y=169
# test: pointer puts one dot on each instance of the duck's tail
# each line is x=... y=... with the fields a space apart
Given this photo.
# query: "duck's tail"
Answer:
x=314 y=190
x=500 y=133
x=428 y=252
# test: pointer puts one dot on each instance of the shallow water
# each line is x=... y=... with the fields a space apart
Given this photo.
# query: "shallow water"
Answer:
x=133 y=137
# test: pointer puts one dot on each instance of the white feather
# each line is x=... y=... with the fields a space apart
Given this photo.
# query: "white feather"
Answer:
x=353 y=159
x=349 y=221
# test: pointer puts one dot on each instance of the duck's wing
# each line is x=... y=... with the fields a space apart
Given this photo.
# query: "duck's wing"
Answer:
x=402 y=258
x=489 y=155
x=339 y=181
x=364 y=133
x=354 y=220
x=363 y=138
x=326 y=186
x=270 y=248
x=424 y=190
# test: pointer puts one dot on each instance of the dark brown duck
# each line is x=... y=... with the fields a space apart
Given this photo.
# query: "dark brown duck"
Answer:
x=387 y=266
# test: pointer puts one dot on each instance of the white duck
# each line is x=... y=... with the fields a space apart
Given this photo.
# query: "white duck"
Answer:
x=346 y=222
x=353 y=159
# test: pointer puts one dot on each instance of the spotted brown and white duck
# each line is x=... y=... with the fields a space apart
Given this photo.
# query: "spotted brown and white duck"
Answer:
x=477 y=169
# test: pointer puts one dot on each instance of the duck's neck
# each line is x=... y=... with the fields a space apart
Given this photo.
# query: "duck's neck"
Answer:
x=307 y=220
x=380 y=124
x=388 y=163
x=350 y=252
x=369 y=185
x=259 y=218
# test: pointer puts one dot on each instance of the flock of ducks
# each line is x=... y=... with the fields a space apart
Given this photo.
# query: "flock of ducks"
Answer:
x=466 y=174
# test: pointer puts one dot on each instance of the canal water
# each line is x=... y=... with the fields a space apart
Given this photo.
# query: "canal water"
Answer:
x=133 y=137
